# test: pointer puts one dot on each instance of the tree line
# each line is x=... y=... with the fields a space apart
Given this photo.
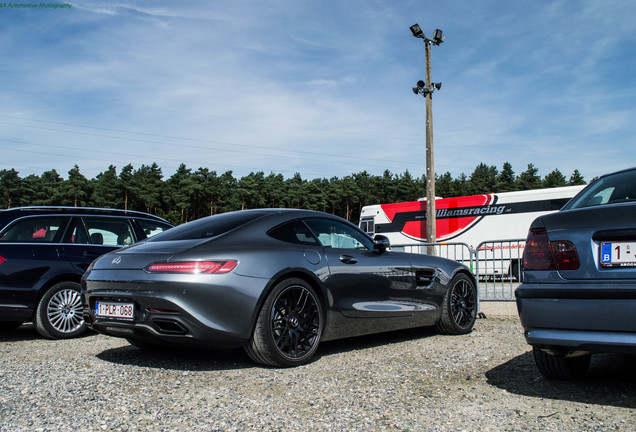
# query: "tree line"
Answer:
x=189 y=195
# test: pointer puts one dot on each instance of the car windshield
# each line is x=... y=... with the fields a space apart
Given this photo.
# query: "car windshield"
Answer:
x=611 y=189
x=208 y=227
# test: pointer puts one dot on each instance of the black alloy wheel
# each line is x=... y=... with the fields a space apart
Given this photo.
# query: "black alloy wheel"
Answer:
x=459 y=308
x=289 y=326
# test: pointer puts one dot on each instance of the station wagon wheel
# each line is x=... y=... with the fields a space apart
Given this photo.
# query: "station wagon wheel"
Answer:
x=289 y=326
x=59 y=314
x=459 y=308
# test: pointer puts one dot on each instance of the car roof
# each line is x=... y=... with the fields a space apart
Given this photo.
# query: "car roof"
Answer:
x=290 y=213
x=8 y=215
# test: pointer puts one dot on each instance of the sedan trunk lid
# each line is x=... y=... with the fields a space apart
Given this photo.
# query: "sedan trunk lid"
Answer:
x=588 y=229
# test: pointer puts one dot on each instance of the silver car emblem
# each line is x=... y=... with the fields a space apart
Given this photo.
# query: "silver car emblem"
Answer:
x=116 y=261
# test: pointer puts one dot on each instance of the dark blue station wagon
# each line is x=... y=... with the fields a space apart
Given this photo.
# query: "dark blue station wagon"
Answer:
x=45 y=250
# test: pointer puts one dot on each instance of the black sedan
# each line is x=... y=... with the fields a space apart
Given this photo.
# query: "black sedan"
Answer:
x=578 y=294
x=274 y=281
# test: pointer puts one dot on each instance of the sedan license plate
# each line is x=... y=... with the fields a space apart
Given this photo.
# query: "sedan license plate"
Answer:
x=123 y=311
x=618 y=254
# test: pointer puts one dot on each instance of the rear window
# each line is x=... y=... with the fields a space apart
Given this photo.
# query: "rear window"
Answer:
x=152 y=228
x=612 y=189
x=208 y=227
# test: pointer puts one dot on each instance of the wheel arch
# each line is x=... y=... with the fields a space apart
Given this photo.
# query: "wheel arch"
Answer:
x=65 y=277
x=471 y=276
x=299 y=273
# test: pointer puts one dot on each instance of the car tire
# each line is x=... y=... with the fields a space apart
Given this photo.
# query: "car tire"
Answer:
x=459 y=307
x=9 y=325
x=59 y=314
x=514 y=271
x=288 y=327
x=555 y=367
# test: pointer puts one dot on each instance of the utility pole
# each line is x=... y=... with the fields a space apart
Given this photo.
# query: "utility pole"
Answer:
x=426 y=89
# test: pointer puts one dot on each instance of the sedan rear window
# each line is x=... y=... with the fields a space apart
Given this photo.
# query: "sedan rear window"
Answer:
x=611 y=189
x=208 y=227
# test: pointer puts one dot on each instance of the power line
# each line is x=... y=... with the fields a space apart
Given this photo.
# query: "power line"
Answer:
x=224 y=143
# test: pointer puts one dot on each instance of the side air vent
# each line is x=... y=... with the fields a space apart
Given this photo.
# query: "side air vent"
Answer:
x=424 y=278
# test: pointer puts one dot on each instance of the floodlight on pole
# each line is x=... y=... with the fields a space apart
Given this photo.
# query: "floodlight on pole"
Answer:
x=417 y=31
x=438 y=37
x=426 y=89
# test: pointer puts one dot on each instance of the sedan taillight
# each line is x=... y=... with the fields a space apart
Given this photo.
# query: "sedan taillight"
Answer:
x=193 y=267
x=542 y=254
x=2 y=259
x=565 y=256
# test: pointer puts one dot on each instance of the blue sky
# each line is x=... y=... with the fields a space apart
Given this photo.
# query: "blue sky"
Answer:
x=322 y=88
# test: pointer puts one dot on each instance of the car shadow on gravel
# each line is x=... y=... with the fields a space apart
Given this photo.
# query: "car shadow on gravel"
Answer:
x=27 y=332
x=611 y=380
x=201 y=359
x=373 y=340
x=178 y=358
x=23 y=333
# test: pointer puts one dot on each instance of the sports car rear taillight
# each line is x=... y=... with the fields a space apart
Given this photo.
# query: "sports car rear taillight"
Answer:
x=542 y=254
x=2 y=259
x=192 y=267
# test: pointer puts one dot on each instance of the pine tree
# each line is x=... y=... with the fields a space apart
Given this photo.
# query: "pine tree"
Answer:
x=576 y=178
x=107 y=189
x=147 y=180
x=529 y=179
x=181 y=190
x=76 y=190
x=10 y=185
x=554 y=179
x=506 y=178
x=483 y=180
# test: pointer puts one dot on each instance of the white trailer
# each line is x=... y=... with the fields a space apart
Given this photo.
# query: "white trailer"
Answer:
x=471 y=220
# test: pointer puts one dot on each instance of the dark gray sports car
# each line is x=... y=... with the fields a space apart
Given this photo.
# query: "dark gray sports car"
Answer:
x=274 y=281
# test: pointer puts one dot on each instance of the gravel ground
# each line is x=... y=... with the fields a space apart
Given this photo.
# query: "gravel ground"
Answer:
x=405 y=381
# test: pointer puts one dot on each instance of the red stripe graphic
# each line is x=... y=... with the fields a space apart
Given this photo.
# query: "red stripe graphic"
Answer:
x=446 y=227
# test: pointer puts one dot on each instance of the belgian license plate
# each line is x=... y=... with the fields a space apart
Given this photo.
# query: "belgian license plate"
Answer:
x=125 y=311
x=618 y=254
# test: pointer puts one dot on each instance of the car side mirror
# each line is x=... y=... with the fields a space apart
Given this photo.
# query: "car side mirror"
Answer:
x=381 y=243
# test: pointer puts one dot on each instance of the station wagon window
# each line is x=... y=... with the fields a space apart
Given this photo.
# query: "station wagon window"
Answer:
x=109 y=231
x=337 y=235
x=34 y=230
x=152 y=228
x=77 y=233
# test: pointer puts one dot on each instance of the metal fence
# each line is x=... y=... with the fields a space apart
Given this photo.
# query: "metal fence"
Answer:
x=456 y=251
x=498 y=268
x=496 y=264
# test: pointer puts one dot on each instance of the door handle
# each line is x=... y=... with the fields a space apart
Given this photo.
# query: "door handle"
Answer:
x=89 y=254
x=348 y=259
